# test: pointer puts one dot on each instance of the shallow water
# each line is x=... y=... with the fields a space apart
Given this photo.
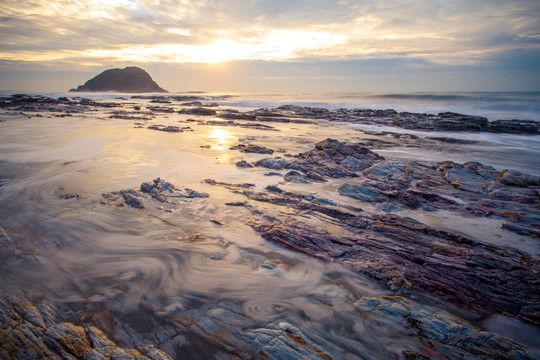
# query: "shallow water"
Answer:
x=177 y=257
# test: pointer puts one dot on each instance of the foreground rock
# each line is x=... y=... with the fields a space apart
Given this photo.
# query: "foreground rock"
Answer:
x=406 y=255
x=470 y=189
x=225 y=330
x=41 y=331
x=129 y=80
x=445 y=335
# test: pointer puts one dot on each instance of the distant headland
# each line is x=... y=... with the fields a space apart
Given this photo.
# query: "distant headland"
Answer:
x=130 y=80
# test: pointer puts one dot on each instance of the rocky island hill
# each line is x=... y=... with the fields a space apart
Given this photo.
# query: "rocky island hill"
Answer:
x=130 y=80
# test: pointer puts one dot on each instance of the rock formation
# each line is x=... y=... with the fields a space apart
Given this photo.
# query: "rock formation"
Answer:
x=130 y=80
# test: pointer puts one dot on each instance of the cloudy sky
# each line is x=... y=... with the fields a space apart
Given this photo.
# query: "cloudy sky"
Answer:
x=275 y=45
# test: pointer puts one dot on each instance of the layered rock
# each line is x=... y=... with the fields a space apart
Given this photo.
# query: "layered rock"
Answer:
x=445 y=335
x=402 y=253
x=514 y=126
x=329 y=158
x=40 y=331
x=447 y=121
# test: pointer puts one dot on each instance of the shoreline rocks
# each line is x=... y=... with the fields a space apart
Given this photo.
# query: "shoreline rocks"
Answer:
x=364 y=228
x=447 y=121
x=404 y=254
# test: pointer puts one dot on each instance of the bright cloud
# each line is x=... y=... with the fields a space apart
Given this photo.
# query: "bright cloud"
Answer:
x=217 y=30
x=98 y=33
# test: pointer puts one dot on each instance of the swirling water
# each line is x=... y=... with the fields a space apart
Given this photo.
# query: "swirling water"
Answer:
x=79 y=250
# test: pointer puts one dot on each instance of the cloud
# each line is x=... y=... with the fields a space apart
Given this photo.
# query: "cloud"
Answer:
x=457 y=31
x=426 y=33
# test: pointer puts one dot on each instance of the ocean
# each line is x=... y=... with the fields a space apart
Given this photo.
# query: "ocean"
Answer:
x=492 y=105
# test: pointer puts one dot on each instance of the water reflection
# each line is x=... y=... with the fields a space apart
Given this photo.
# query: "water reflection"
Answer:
x=221 y=139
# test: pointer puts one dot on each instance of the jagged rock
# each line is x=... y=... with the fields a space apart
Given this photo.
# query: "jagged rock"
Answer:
x=521 y=230
x=459 y=122
x=157 y=189
x=40 y=332
x=481 y=190
x=331 y=151
x=470 y=176
x=130 y=80
x=162 y=191
x=406 y=256
x=363 y=192
x=329 y=158
x=518 y=179
x=250 y=148
x=131 y=199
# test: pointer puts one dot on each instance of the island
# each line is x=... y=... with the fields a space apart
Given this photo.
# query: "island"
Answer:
x=129 y=80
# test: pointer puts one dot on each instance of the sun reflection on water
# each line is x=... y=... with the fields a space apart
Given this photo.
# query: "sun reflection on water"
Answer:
x=221 y=140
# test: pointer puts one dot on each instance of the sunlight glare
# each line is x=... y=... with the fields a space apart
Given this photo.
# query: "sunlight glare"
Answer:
x=221 y=139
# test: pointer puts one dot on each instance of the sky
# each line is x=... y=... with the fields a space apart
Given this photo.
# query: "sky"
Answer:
x=275 y=45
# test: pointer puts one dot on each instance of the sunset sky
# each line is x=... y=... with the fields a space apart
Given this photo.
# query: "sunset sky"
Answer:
x=275 y=45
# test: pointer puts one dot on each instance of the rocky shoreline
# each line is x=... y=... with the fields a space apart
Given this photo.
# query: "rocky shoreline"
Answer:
x=437 y=284
x=192 y=105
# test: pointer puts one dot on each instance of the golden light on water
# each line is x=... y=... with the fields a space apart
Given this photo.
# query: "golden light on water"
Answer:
x=221 y=139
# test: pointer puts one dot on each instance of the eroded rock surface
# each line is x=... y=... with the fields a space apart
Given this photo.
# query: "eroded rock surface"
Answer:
x=329 y=158
x=157 y=189
x=403 y=253
x=445 y=335
x=407 y=255
x=41 y=331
